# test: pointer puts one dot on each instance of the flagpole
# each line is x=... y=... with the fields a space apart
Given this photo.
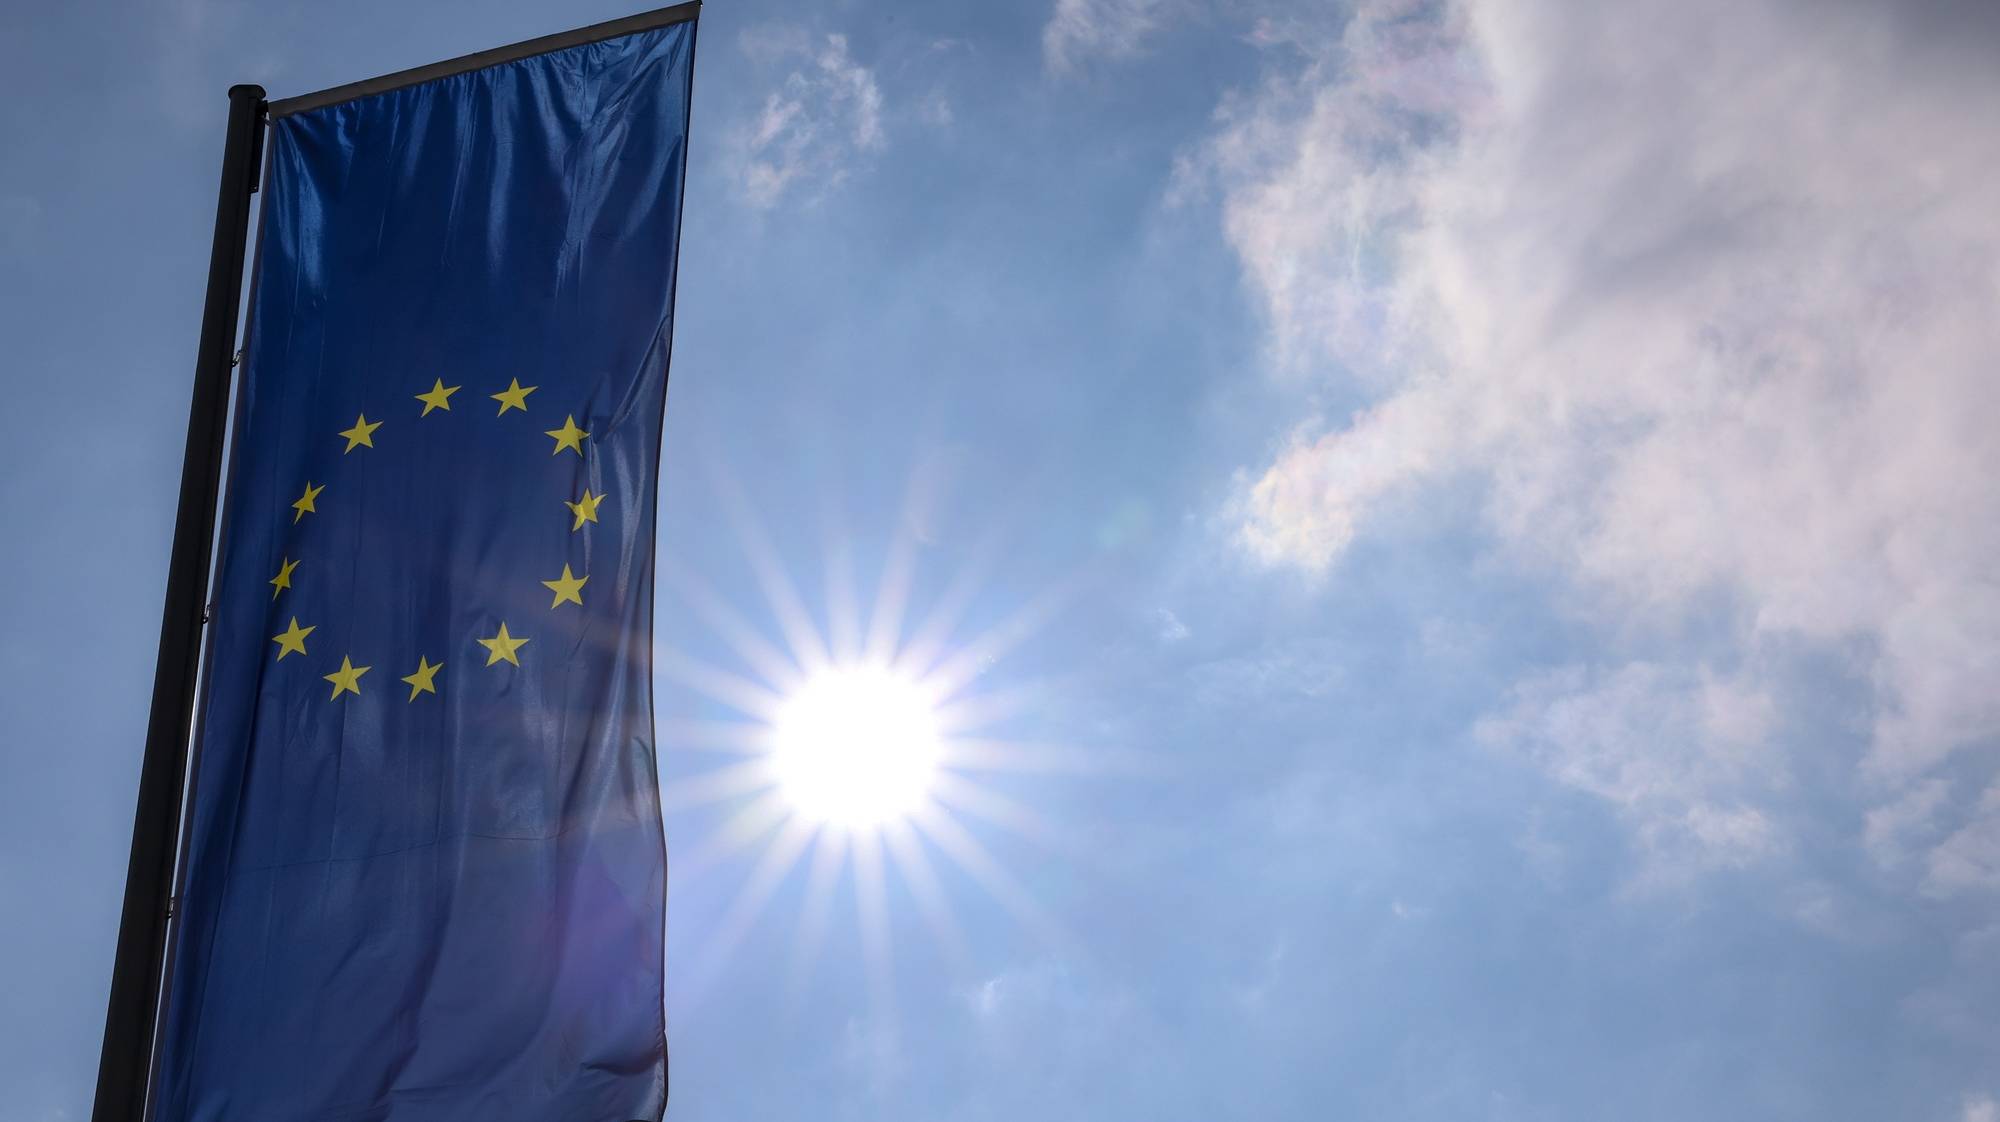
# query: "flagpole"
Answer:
x=124 y=1066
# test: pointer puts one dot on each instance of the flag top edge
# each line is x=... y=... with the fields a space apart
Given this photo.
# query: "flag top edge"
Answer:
x=528 y=48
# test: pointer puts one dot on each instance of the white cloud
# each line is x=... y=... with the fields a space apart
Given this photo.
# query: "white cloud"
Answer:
x=935 y=110
x=1004 y=994
x=1081 y=29
x=1306 y=669
x=1701 y=295
x=1672 y=750
x=1969 y=860
x=824 y=115
x=1171 y=629
x=1889 y=830
x=1980 y=1108
x=1304 y=508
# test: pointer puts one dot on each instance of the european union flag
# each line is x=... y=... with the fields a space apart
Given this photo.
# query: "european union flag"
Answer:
x=425 y=878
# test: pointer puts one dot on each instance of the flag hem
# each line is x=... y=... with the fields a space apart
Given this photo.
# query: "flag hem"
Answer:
x=529 y=48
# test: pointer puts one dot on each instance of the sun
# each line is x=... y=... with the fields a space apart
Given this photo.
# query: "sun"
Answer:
x=856 y=747
x=869 y=747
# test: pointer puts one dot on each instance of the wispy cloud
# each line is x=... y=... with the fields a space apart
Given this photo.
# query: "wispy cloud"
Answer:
x=1892 y=829
x=1969 y=859
x=935 y=109
x=823 y=117
x=1675 y=752
x=1079 y=30
x=1700 y=296
x=1303 y=670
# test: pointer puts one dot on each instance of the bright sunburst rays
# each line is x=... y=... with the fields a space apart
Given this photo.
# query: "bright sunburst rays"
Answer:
x=860 y=758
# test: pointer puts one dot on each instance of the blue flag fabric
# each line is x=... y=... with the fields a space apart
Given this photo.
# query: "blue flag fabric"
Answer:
x=425 y=877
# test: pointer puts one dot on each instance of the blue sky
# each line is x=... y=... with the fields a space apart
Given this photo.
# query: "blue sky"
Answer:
x=1475 y=522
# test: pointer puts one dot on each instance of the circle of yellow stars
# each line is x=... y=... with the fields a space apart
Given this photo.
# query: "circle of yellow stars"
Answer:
x=503 y=646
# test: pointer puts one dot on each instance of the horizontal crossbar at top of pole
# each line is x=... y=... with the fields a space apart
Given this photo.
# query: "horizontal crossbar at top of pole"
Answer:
x=562 y=40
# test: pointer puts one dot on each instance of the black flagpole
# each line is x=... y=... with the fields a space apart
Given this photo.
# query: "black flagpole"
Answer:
x=124 y=1067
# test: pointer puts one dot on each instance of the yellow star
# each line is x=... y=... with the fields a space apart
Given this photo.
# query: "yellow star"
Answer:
x=584 y=508
x=357 y=437
x=284 y=578
x=568 y=436
x=439 y=397
x=293 y=639
x=515 y=396
x=347 y=679
x=420 y=682
x=567 y=587
x=305 y=504
x=502 y=646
